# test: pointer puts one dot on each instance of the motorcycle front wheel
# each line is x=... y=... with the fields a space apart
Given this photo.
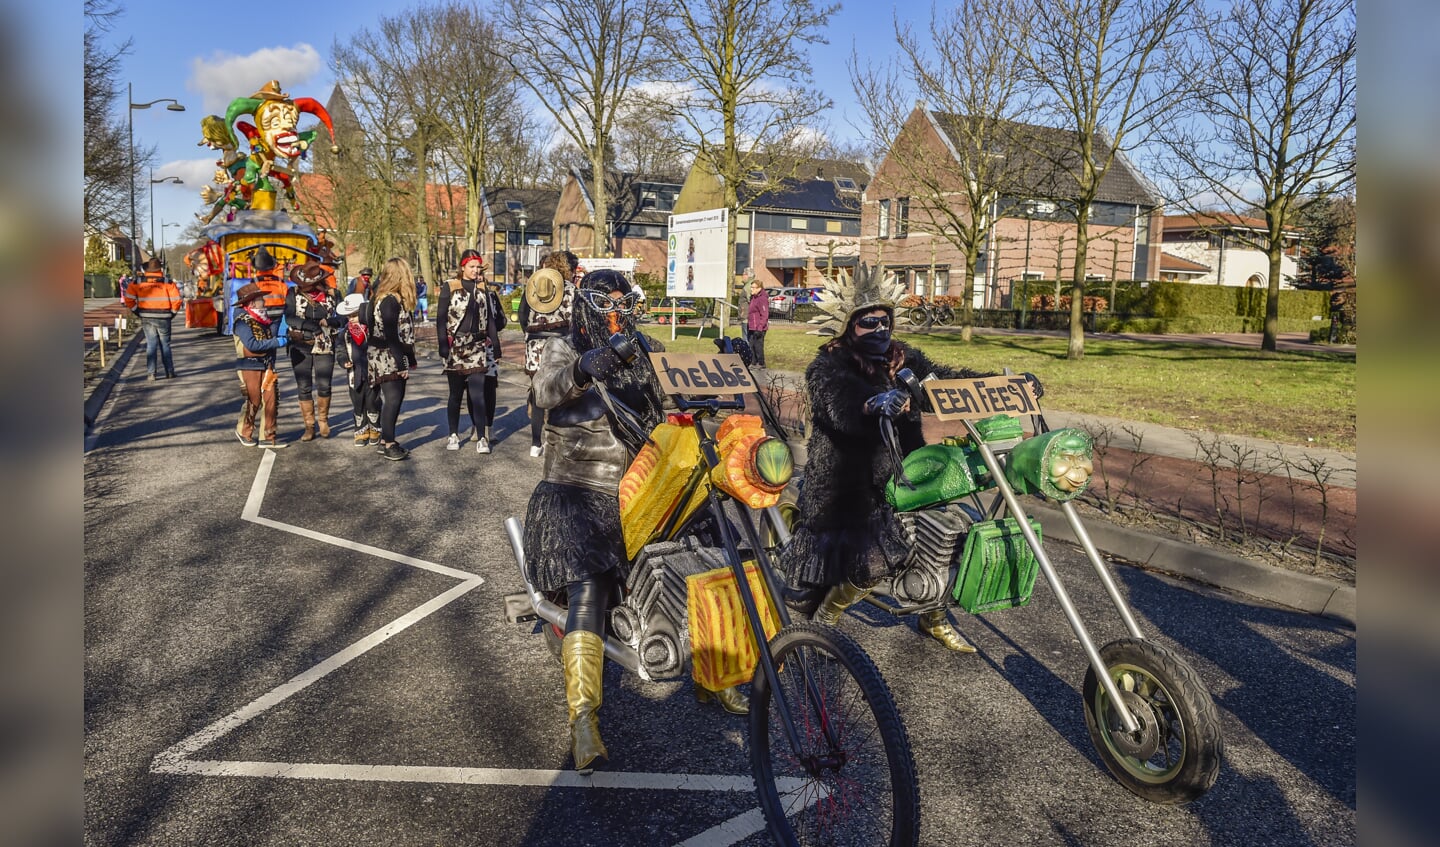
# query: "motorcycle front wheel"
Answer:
x=1175 y=757
x=853 y=782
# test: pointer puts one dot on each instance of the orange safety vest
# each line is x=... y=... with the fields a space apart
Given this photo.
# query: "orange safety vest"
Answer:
x=153 y=297
x=274 y=288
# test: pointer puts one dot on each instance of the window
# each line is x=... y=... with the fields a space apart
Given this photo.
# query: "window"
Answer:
x=514 y=206
x=648 y=198
x=845 y=183
x=756 y=176
x=797 y=223
x=921 y=277
x=884 y=219
x=902 y=217
x=942 y=282
x=832 y=227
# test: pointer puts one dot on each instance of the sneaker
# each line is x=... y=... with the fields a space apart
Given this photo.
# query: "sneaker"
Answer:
x=151 y=377
x=248 y=441
x=453 y=442
x=536 y=451
x=273 y=444
x=394 y=452
x=483 y=445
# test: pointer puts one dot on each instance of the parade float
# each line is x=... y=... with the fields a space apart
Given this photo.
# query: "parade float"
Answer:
x=251 y=229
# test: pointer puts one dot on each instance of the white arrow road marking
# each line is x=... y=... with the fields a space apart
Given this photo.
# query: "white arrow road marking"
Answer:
x=176 y=758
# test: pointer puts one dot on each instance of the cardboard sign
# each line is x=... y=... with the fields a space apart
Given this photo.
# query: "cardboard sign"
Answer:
x=702 y=373
x=973 y=399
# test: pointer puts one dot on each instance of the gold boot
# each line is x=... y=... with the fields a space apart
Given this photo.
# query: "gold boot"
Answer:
x=837 y=600
x=730 y=699
x=307 y=414
x=937 y=625
x=322 y=416
x=583 y=654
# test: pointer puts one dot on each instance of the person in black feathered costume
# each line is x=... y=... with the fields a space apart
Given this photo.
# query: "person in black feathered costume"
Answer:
x=846 y=537
x=573 y=539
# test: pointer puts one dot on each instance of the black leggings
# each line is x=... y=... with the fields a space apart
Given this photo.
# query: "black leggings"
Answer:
x=392 y=394
x=312 y=371
x=472 y=385
x=588 y=599
x=537 y=419
x=492 y=384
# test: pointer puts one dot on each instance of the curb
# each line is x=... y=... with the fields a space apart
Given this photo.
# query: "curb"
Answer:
x=101 y=392
x=1313 y=594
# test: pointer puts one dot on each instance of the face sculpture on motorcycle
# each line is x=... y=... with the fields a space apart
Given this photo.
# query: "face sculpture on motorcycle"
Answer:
x=1057 y=464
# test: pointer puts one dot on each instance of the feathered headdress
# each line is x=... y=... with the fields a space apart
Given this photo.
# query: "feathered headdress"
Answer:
x=848 y=294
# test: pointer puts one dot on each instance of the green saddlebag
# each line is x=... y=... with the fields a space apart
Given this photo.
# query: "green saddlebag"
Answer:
x=997 y=567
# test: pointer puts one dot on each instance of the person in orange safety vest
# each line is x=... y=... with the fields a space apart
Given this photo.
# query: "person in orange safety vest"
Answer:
x=155 y=300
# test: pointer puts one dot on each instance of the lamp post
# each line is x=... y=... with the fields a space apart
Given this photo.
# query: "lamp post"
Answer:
x=130 y=121
x=154 y=182
x=520 y=265
x=164 y=226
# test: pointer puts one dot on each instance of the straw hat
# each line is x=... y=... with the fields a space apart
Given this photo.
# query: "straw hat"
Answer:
x=545 y=291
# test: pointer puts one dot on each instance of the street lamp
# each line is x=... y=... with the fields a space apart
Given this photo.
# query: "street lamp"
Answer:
x=154 y=182
x=164 y=226
x=1028 y=207
x=520 y=268
x=130 y=120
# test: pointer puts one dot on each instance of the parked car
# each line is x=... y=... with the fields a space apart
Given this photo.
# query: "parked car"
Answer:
x=784 y=300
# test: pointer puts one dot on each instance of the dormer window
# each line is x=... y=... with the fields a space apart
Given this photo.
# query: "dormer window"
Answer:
x=514 y=206
x=756 y=176
x=845 y=183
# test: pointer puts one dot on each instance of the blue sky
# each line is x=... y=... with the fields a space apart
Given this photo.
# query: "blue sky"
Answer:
x=205 y=54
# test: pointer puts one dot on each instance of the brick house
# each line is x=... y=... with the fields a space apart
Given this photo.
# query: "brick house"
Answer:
x=515 y=222
x=639 y=210
x=800 y=224
x=1225 y=245
x=1033 y=237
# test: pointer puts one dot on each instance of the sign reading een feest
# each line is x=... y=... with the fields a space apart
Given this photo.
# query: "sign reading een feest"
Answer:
x=702 y=373
x=973 y=399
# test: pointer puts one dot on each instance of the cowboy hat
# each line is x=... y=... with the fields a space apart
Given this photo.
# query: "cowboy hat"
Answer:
x=545 y=291
x=309 y=275
x=351 y=304
x=270 y=91
x=152 y=266
x=247 y=292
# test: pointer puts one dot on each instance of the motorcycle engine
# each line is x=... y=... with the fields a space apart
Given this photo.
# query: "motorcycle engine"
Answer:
x=653 y=619
x=936 y=536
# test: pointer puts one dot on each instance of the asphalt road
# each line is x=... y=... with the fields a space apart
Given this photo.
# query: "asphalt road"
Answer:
x=309 y=647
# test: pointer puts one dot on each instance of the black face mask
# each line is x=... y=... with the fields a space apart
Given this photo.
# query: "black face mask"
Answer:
x=873 y=343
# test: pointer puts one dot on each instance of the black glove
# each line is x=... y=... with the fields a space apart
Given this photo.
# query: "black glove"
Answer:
x=889 y=403
x=1034 y=384
x=596 y=364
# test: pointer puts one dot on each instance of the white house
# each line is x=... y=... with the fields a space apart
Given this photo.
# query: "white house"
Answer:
x=1226 y=245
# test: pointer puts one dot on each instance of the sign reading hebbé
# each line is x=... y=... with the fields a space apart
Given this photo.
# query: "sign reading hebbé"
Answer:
x=702 y=373
x=973 y=399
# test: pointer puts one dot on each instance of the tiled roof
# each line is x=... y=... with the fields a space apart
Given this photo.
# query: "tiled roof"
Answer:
x=1042 y=158
x=1215 y=221
x=1171 y=262
x=539 y=205
x=812 y=189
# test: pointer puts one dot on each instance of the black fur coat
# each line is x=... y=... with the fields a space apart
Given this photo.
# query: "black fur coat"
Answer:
x=846 y=529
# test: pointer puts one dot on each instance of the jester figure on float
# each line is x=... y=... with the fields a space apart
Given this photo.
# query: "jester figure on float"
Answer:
x=275 y=143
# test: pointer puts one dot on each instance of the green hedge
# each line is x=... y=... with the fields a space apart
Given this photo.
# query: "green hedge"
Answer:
x=1187 y=300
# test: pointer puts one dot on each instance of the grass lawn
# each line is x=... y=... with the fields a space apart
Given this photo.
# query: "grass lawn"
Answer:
x=1286 y=397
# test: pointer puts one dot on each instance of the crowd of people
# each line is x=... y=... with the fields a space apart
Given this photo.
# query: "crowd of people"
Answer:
x=369 y=332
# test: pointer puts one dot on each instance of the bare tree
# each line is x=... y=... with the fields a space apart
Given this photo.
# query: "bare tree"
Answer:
x=971 y=81
x=381 y=161
x=107 y=165
x=743 y=90
x=581 y=58
x=1269 y=116
x=1097 y=66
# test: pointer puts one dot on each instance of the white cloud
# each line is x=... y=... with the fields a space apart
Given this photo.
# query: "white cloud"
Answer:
x=195 y=173
x=224 y=76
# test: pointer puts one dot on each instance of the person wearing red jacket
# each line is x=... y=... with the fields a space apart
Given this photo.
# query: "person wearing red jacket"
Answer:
x=155 y=300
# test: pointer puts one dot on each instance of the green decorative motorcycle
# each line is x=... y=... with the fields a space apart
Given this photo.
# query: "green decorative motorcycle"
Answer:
x=974 y=547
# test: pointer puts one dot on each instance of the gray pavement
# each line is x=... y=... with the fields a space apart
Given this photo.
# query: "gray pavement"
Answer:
x=309 y=647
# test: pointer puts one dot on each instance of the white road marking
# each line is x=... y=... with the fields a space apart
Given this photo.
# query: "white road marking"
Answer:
x=175 y=759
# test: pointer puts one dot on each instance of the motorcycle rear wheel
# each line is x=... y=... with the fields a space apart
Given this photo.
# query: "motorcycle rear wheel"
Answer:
x=1175 y=757
x=862 y=791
